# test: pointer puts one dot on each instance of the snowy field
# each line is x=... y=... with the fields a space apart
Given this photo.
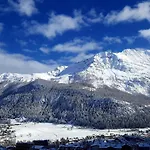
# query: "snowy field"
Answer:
x=42 y=131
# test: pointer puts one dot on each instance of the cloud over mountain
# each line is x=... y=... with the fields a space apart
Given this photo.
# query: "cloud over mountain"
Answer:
x=21 y=64
x=23 y=7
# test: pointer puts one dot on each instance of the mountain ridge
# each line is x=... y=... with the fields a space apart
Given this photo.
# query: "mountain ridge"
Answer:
x=128 y=71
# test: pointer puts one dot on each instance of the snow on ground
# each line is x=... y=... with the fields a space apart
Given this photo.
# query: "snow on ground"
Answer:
x=42 y=131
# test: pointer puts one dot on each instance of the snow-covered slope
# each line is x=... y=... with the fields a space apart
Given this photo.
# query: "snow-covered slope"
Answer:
x=15 y=77
x=128 y=71
x=47 y=131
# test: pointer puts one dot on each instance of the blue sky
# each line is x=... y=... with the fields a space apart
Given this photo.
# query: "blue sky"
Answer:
x=39 y=35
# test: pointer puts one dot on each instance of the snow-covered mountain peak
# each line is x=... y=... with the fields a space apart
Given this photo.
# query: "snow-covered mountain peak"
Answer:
x=128 y=71
x=15 y=77
x=108 y=60
x=106 y=54
x=103 y=60
x=134 y=51
x=57 y=70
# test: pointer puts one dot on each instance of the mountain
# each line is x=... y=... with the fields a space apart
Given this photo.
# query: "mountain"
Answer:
x=47 y=101
x=128 y=71
x=108 y=90
x=15 y=77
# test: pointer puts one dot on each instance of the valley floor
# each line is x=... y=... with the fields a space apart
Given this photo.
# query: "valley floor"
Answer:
x=48 y=131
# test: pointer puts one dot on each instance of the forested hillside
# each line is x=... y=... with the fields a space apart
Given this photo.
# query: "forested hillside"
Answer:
x=46 y=101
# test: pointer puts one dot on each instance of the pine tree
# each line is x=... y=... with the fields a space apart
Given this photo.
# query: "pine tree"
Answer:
x=7 y=135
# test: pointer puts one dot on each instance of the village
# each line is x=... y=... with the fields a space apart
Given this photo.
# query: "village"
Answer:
x=74 y=139
x=125 y=142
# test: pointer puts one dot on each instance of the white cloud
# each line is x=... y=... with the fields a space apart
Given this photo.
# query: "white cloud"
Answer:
x=119 y=40
x=130 y=39
x=80 y=57
x=65 y=60
x=23 y=7
x=94 y=17
x=60 y=23
x=57 y=25
x=29 y=50
x=145 y=33
x=92 y=13
x=139 y=12
x=44 y=50
x=77 y=46
x=111 y=40
x=1 y=27
x=52 y=62
x=21 y=64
